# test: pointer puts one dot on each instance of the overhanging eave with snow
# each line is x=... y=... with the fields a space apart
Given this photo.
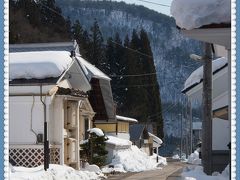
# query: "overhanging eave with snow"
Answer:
x=47 y=69
x=220 y=36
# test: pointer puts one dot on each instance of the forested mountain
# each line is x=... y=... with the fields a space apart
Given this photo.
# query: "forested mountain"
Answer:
x=170 y=49
x=33 y=22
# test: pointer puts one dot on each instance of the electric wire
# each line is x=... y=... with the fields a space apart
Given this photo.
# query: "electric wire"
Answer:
x=159 y=4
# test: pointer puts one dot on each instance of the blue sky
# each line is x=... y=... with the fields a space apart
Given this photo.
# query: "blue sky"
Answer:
x=162 y=9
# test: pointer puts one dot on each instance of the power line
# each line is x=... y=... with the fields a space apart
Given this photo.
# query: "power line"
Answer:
x=150 y=2
x=126 y=75
x=136 y=51
x=132 y=75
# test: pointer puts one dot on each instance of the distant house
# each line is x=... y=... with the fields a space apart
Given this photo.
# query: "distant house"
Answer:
x=47 y=84
x=143 y=139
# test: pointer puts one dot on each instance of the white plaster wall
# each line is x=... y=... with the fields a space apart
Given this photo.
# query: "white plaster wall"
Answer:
x=221 y=135
x=56 y=125
x=20 y=119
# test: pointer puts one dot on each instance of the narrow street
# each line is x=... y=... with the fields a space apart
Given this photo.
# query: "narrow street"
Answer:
x=169 y=172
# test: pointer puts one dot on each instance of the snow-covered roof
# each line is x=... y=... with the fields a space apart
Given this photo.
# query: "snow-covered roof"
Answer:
x=97 y=131
x=191 y=14
x=122 y=118
x=118 y=141
x=38 y=64
x=156 y=140
x=197 y=75
x=91 y=70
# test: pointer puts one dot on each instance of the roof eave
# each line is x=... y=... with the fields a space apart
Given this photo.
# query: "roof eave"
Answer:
x=220 y=35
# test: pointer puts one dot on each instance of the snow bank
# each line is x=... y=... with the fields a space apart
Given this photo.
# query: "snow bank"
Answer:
x=126 y=119
x=190 y=14
x=176 y=156
x=38 y=65
x=196 y=173
x=194 y=158
x=197 y=75
x=118 y=142
x=133 y=160
x=58 y=172
x=97 y=131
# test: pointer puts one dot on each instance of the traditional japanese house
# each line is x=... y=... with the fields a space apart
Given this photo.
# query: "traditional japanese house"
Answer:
x=48 y=103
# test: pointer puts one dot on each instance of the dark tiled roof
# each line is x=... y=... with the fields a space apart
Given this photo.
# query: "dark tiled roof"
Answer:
x=72 y=92
x=136 y=131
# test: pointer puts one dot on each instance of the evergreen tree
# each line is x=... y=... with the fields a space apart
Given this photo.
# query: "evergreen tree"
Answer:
x=153 y=93
x=94 y=150
x=81 y=36
x=96 y=48
x=118 y=69
x=109 y=57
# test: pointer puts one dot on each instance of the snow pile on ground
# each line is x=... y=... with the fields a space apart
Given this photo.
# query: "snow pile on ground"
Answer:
x=92 y=168
x=175 y=156
x=38 y=65
x=190 y=14
x=196 y=173
x=118 y=141
x=97 y=131
x=133 y=160
x=194 y=158
x=197 y=75
x=58 y=172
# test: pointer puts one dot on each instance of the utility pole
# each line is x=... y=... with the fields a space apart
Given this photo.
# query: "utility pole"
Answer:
x=191 y=121
x=181 y=145
x=207 y=111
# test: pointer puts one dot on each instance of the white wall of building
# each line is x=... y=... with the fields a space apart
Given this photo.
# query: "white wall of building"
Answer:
x=220 y=134
x=23 y=110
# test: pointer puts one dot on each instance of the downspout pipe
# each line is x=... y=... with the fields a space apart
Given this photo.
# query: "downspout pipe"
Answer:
x=46 y=142
x=32 y=119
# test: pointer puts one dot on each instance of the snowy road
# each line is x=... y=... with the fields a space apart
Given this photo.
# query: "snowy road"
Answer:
x=169 y=172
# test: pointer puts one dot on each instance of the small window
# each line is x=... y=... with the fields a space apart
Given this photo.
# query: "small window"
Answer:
x=86 y=127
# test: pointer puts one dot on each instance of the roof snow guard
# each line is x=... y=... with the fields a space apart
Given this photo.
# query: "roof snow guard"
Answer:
x=197 y=76
x=192 y=14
